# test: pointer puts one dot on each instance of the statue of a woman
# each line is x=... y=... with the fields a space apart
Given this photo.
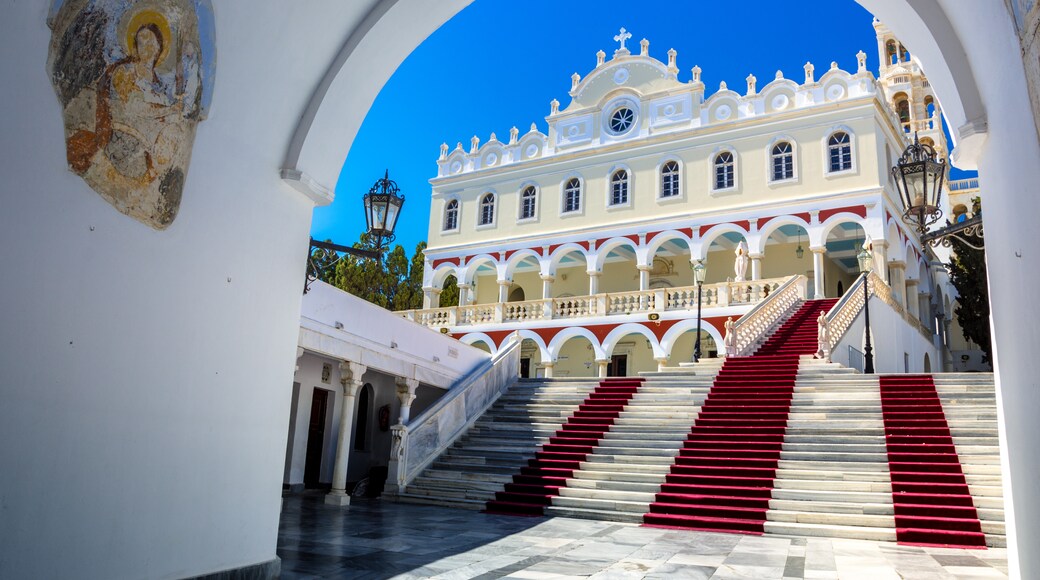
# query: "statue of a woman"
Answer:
x=823 y=337
x=741 y=261
x=730 y=341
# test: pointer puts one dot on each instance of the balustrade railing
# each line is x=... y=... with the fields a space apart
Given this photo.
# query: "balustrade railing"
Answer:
x=606 y=304
x=845 y=312
x=752 y=328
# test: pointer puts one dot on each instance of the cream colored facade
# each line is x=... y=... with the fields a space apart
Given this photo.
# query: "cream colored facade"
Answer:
x=799 y=171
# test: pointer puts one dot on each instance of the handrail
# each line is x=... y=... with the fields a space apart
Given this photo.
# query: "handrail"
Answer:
x=845 y=312
x=417 y=444
x=763 y=317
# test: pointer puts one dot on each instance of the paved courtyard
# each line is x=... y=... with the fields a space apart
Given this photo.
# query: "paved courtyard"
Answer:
x=379 y=539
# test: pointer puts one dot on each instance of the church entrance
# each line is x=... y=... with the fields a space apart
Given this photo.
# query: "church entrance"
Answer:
x=525 y=368
x=618 y=366
x=316 y=437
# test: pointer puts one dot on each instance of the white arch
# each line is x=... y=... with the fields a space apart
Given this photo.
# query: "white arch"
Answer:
x=666 y=236
x=623 y=330
x=832 y=222
x=716 y=231
x=566 y=334
x=441 y=273
x=473 y=337
x=519 y=256
x=469 y=271
x=530 y=334
x=684 y=326
x=773 y=225
x=607 y=246
x=564 y=249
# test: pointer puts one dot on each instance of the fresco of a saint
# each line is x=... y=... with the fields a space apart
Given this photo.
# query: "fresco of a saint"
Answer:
x=134 y=78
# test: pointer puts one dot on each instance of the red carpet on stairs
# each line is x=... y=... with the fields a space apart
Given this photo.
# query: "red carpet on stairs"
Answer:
x=533 y=488
x=722 y=479
x=929 y=492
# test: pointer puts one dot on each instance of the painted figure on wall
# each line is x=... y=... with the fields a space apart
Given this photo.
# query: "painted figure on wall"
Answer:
x=134 y=79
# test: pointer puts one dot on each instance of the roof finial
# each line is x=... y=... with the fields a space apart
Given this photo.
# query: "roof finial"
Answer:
x=751 y=80
x=861 y=59
x=554 y=107
x=600 y=55
x=513 y=133
x=575 y=79
x=809 y=78
x=644 y=47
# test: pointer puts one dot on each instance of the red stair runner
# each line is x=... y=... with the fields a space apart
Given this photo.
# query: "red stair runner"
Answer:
x=722 y=479
x=534 y=487
x=932 y=502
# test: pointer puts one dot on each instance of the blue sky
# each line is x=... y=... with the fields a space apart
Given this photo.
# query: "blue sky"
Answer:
x=498 y=64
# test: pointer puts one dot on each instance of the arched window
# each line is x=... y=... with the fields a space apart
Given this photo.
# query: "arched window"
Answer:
x=890 y=50
x=572 y=195
x=528 y=199
x=487 y=209
x=724 y=170
x=670 y=179
x=903 y=112
x=839 y=147
x=619 y=187
x=904 y=53
x=783 y=161
x=451 y=215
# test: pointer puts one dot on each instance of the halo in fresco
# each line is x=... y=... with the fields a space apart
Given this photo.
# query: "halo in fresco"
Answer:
x=134 y=78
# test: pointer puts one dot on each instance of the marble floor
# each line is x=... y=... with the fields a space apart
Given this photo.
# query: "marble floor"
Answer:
x=378 y=539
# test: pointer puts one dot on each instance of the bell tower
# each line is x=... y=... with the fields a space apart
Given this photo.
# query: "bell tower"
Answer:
x=907 y=91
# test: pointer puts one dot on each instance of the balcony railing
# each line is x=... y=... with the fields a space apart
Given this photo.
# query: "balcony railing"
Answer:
x=607 y=304
x=964 y=184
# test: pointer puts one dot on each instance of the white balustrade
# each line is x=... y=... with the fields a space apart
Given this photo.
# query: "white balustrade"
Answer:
x=760 y=321
x=614 y=303
x=847 y=310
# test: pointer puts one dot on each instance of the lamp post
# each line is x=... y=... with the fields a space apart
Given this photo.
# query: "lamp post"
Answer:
x=698 y=277
x=866 y=264
x=383 y=204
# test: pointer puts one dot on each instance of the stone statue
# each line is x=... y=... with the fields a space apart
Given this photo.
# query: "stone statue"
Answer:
x=741 y=262
x=397 y=444
x=730 y=341
x=823 y=337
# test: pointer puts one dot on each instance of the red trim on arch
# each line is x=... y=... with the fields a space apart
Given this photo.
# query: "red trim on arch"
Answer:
x=859 y=210
x=600 y=331
x=742 y=223
x=438 y=262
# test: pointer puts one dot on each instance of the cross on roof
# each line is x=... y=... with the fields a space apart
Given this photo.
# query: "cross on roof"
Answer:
x=622 y=37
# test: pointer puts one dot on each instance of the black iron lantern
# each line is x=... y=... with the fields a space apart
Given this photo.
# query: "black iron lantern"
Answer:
x=919 y=177
x=382 y=207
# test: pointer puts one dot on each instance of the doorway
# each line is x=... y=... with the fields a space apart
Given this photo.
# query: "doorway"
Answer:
x=525 y=368
x=316 y=437
x=618 y=366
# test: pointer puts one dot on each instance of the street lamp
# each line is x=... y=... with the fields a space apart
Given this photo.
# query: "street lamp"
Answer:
x=698 y=277
x=382 y=207
x=919 y=179
x=383 y=204
x=866 y=264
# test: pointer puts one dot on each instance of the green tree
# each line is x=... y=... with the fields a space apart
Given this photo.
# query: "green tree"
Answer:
x=450 y=292
x=968 y=275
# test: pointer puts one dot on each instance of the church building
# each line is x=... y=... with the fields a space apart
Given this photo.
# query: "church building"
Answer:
x=586 y=238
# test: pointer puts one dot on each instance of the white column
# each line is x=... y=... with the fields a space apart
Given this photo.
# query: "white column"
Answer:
x=547 y=283
x=880 y=250
x=464 y=298
x=601 y=366
x=644 y=276
x=548 y=366
x=817 y=264
x=913 y=301
x=756 y=266
x=350 y=377
x=406 y=394
x=593 y=282
x=503 y=290
x=898 y=282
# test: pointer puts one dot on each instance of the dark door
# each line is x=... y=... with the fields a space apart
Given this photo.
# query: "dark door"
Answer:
x=525 y=368
x=315 y=437
x=618 y=366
